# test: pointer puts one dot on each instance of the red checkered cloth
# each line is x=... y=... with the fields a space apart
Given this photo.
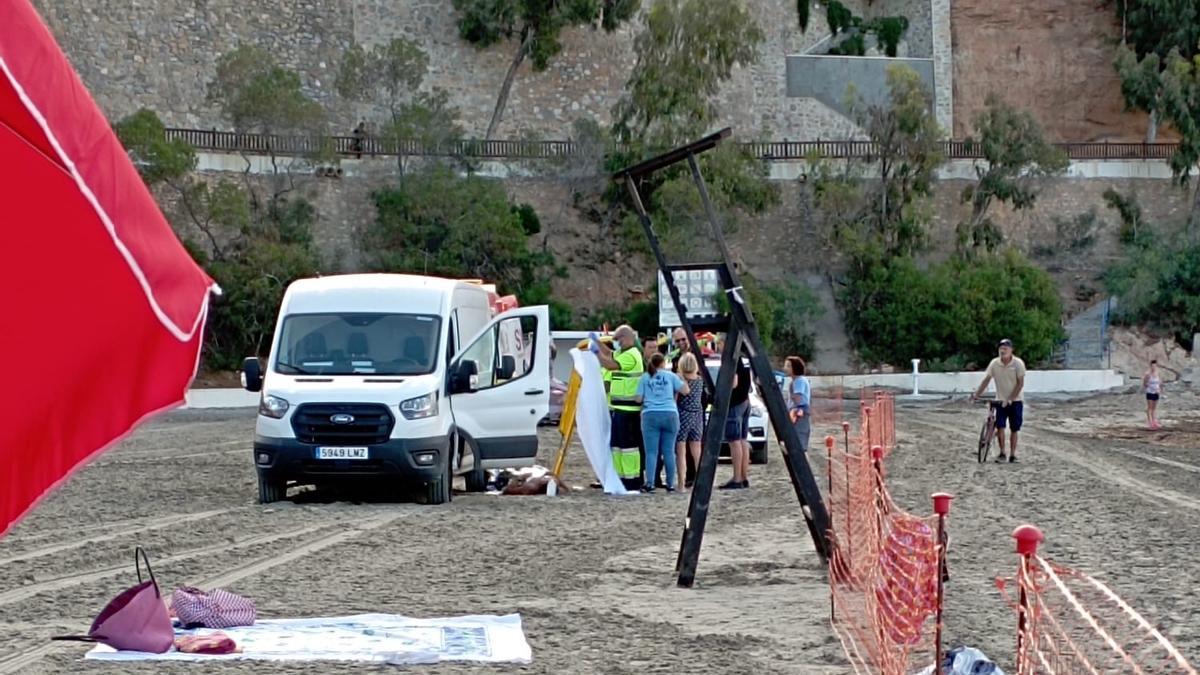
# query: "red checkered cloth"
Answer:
x=213 y=609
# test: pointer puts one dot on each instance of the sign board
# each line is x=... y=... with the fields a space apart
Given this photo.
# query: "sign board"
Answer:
x=697 y=289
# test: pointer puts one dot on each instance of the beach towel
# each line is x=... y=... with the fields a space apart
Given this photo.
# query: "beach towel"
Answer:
x=374 y=638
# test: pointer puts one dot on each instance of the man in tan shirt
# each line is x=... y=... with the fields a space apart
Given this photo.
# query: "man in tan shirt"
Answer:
x=1008 y=372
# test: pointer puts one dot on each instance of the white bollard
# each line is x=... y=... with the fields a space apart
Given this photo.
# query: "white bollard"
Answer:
x=916 y=377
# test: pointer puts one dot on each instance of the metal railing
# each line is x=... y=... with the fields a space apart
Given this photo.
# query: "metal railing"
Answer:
x=349 y=146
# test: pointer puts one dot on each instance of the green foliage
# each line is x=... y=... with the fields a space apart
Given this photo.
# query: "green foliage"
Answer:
x=888 y=30
x=793 y=309
x=1152 y=29
x=390 y=73
x=439 y=223
x=393 y=73
x=784 y=312
x=257 y=268
x=886 y=215
x=1071 y=235
x=803 y=13
x=642 y=316
x=487 y=22
x=1015 y=155
x=686 y=50
x=1133 y=226
x=1159 y=286
x=956 y=310
x=256 y=94
x=839 y=17
x=156 y=158
x=1176 y=90
x=530 y=223
x=536 y=25
x=855 y=45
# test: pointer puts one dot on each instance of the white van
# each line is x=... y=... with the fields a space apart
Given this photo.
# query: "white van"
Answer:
x=400 y=376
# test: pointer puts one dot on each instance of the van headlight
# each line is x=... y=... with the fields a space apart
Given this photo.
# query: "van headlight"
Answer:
x=420 y=407
x=273 y=407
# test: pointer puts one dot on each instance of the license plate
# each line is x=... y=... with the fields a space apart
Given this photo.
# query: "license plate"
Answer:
x=341 y=453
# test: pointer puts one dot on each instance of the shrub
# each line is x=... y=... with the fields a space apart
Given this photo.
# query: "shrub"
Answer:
x=1160 y=287
x=954 y=312
x=439 y=223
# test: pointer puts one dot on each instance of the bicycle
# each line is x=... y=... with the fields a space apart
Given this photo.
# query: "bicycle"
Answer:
x=988 y=432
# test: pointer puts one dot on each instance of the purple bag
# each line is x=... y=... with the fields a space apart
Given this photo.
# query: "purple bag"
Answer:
x=217 y=608
x=136 y=620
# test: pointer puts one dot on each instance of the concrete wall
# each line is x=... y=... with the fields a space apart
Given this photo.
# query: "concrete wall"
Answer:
x=1036 y=381
x=829 y=79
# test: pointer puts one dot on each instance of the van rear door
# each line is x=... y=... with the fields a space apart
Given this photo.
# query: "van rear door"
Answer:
x=499 y=386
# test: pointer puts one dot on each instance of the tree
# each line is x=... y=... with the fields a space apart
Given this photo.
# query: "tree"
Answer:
x=253 y=254
x=393 y=73
x=536 y=26
x=1015 y=156
x=1178 y=103
x=686 y=51
x=157 y=159
x=439 y=223
x=879 y=207
x=1153 y=28
x=255 y=94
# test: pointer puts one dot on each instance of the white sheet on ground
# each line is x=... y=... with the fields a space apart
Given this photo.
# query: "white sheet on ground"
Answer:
x=593 y=422
x=378 y=638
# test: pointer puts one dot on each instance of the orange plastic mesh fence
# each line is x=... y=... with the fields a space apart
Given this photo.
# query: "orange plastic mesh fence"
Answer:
x=827 y=411
x=1072 y=623
x=884 y=562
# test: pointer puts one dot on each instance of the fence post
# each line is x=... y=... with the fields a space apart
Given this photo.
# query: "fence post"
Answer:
x=941 y=506
x=877 y=461
x=829 y=442
x=1028 y=537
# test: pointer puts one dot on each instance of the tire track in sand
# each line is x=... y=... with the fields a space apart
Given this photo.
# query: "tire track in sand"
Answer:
x=108 y=536
x=1097 y=466
x=19 y=660
x=60 y=583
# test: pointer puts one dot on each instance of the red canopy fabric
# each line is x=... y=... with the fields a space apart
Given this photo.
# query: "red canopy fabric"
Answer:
x=101 y=308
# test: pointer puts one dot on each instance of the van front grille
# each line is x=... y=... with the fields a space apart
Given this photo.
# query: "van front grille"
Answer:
x=356 y=423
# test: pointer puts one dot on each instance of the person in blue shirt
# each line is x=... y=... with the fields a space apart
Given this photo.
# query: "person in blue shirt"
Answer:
x=799 y=399
x=660 y=418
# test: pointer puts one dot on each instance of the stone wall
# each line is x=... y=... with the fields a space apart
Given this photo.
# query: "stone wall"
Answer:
x=787 y=242
x=161 y=55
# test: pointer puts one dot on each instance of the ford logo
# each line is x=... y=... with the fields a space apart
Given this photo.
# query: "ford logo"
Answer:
x=341 y=418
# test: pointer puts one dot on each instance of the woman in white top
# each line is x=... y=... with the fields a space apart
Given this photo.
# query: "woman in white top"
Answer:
x=1152 y=385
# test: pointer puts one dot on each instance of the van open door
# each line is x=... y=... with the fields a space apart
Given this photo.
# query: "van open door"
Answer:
x=499 y=389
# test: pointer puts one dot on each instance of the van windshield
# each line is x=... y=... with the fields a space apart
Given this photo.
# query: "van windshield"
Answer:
x=347 y=344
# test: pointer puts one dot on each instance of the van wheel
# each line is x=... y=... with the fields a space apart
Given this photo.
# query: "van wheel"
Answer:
x=758 y=453
x=476 y=478
x=438 y=490
x=270 y=488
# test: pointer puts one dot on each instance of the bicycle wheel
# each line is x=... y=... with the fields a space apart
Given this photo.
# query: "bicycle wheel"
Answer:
x=985 y=438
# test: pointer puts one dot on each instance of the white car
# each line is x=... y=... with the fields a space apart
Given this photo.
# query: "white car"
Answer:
x=758 y=419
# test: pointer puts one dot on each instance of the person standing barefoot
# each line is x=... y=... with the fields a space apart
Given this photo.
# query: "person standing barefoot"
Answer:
x=1152 y=385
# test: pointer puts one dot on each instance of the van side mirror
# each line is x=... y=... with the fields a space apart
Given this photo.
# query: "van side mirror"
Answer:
x=508 y=367
x=252 y=376
x=465 y=378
